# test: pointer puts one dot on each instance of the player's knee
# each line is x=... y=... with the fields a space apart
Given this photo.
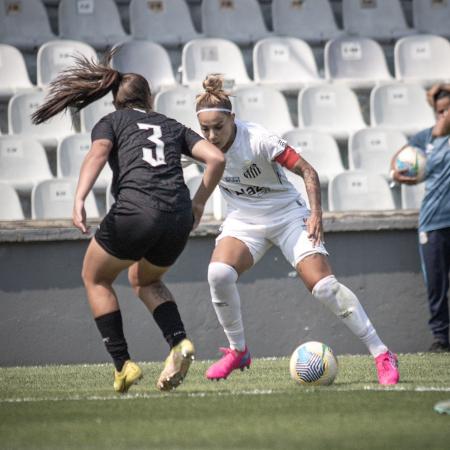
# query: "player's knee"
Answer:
x=221 y=275
x=336 y=296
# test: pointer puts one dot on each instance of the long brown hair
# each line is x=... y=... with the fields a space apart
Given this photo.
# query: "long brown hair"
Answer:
x=87 y=81
x=214 y=96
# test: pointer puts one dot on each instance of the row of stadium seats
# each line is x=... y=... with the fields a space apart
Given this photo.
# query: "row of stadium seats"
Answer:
x=285 y=63
x=355 y=190
x=328 y=108
x=24 y=161
x=25 y=24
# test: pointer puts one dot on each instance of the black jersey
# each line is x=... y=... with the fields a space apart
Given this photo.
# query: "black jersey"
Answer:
x=146 y=157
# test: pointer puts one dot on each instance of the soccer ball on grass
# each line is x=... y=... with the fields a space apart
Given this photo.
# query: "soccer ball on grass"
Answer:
x=313 y=363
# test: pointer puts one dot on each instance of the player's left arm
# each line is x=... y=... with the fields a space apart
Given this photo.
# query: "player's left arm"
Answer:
x=290 y=159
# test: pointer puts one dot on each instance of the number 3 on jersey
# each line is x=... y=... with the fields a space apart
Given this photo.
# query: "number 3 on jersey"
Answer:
x=154 y=156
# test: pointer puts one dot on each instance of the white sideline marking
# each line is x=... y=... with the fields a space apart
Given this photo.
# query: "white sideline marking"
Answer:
x=149 y=395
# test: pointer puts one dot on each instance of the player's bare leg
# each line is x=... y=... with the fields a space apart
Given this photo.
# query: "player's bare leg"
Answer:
x=145 y=278
x=316 y=273
x=100 y=269
x=230 y=258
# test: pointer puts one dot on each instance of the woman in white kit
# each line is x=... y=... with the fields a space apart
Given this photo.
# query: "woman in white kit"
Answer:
x=264 y=209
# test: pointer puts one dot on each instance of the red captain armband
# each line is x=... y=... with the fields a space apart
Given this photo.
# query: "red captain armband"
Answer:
x=288 y=158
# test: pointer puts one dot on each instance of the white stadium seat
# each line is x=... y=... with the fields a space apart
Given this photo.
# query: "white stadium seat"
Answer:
x=58 y=55
x=13 y=72
x=319 y=149
x=178 y=104
x=265 y=106
x=53 y=199
x=20 y=108
x=148 y=59
x=23 y=162
x=311 y=20
x=90 y=115
x=371 y=149
x=401 y=106
x=166 y=22
x=96 y=22
x=284 y=63
x=24 y=24
x=70 y=154
x=382 y=20
x=432 y=16
x=331 y=109
x=357 y=62
x=201 y=57
x=412 y=196
x=358 y=190
x=193 y=183
x=424 y=59
x=109 y=197
x=11 y=208
x=240 y=21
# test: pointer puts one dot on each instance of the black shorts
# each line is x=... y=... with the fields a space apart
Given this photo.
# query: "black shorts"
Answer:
x=131 y=232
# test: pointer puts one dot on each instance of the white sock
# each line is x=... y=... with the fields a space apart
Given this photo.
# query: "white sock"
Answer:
x=345 y=305
x=227 y=303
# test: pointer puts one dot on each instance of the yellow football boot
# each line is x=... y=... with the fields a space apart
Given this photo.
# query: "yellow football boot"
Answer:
x=176 y=366
x=128 y=376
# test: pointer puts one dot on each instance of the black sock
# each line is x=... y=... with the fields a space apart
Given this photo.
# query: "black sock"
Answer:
x=111 y=329
x=169 y=321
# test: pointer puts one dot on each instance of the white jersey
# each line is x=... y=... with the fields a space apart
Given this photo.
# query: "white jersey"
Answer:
x=253 y=183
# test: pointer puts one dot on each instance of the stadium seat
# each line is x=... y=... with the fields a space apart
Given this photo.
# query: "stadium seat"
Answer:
x=166 y=22
x=11 y=208
x=70 y=154
x=311 y=20
x=24 y=24
x=109 y=197
x=240 y=21
x=382 y=20
x=298 y=183
x=90 y=115
x=358 y=190
x=13 y=72
x=400 y=106
x=20 y=108
x=319 y=149
x=284 y=63
x=265 y=106
x=331 y=109
x=53 y=199
x=148 y=59
x=23 y=162
x=371 y=149
x=58 y=55
x=95 y=22
x=412 y=196
x=356 y=62
x=431 y=16
x=179 y=104
x=201 y=57
x=423 y=58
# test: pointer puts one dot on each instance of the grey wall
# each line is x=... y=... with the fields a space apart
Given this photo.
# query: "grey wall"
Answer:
x=45 y=317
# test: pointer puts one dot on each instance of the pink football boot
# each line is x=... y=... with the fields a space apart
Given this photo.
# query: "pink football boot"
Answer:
x=231 y=360
x=387 y=368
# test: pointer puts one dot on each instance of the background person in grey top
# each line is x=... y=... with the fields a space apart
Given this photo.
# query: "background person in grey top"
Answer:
x=434 y=218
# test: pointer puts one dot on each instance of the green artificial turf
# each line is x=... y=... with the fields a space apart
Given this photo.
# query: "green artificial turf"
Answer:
x=74 y=407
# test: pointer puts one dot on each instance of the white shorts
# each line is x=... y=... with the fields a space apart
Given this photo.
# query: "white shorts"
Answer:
x=286 y=229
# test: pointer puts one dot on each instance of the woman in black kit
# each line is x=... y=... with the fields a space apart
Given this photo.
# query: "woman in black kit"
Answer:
x=148 y=226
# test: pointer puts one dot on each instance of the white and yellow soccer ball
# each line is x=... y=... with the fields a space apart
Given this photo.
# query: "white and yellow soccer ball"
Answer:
x=413 y=161
x=313 y=364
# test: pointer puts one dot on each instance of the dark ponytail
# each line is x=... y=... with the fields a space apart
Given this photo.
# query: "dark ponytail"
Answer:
x=88 y=81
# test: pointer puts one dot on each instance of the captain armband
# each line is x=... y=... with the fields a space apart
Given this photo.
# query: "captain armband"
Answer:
x=288 y=158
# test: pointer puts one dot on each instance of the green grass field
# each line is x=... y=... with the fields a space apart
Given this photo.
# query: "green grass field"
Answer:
x=74 y=407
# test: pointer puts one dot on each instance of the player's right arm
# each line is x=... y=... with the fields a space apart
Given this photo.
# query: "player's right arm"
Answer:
x=91 y=167
x=214 y=161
